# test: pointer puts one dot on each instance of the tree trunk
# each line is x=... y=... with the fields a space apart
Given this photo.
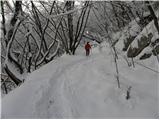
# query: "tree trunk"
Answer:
x=16 y=80
x=3 y=22
x=70 y=6
x=10 y=37
x=153 y=15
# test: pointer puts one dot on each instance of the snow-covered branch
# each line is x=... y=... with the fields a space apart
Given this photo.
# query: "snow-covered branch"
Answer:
x=68 y=12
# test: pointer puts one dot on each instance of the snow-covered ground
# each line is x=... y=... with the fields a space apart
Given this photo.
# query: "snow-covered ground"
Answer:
x=86 y=87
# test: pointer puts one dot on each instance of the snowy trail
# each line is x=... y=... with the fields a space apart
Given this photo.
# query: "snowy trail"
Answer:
x=64 y=89
x=84 y=87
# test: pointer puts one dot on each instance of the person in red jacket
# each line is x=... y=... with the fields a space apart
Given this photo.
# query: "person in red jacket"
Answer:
x=87 y=48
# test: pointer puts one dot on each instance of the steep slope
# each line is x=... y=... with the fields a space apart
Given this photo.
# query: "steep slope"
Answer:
x=138 y=42
x=85 y=87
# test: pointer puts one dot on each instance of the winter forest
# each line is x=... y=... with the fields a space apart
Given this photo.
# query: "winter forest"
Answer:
x=79 y=59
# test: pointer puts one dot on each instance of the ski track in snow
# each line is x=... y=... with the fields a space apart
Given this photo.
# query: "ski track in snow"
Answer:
x=85 y=87
x=66 y=96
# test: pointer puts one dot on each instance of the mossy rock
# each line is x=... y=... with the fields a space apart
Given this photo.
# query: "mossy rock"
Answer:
x=128 y=42
x=142 y=43
x=132 y=52
x=145 y=56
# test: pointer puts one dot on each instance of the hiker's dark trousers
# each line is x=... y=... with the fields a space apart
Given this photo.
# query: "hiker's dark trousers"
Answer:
x=87 y=52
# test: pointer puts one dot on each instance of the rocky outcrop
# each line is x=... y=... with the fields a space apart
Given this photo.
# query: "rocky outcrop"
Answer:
x=143 y=42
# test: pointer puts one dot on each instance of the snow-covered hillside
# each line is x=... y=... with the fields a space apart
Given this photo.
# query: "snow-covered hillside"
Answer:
x=86 y=87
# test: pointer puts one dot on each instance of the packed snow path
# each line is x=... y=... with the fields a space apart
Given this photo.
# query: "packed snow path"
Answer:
x=84 y=87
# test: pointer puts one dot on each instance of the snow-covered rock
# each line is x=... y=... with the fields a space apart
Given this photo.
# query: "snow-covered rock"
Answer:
x=127 y=35
x=143 y=40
